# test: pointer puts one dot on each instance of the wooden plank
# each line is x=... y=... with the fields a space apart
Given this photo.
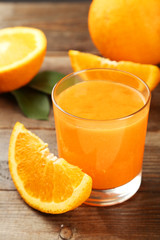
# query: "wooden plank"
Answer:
x=137 y=218
x=10 y=113
x=151 y=164
x=10 y=110
x=65 y=24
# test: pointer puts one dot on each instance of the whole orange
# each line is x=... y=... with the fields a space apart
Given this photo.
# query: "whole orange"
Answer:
x=126 y=30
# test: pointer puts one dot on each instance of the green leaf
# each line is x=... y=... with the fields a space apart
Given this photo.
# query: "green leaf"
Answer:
x=45 y=81
x=33 y=104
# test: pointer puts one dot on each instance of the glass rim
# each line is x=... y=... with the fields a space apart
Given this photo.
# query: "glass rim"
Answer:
x=104 y=69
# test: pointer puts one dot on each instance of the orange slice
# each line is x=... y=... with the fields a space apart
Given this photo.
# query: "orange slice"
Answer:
x=148 y=73
x=22 y=51
x=47 y=183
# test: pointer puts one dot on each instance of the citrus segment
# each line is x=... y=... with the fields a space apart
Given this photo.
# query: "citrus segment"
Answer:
x=22 y=51
x=148 y=73
x=45 y=182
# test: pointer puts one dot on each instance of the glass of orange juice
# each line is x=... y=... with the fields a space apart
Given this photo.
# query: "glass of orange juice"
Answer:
x=101 y=119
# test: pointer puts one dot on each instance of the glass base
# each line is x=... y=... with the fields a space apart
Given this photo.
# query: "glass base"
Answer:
x=116 y=195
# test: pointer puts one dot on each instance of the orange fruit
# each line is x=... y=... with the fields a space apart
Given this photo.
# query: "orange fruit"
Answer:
x=148 y=73
x=22 y=51
x=47 y=183
x=126 y=30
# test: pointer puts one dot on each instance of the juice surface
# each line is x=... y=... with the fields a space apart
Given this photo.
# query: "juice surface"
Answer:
x=100 y=100
x=111 y=152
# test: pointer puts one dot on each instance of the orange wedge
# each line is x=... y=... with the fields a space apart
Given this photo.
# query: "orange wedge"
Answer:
x=47 y=183
x=148 y=73
x=22 y=51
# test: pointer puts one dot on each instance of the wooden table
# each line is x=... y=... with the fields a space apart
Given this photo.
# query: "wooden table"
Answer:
x=65 y=25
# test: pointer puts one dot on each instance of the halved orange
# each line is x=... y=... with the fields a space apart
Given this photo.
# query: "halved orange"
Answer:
x=47 y=183
x=22 y=50
x=148 y=73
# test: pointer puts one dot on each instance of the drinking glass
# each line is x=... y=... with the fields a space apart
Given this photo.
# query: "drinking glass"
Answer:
x=110 y=151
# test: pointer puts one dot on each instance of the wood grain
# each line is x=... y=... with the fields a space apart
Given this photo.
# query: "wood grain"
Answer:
x=65 y=25
x=151 y=163
x=62 y=64
x=132 y=220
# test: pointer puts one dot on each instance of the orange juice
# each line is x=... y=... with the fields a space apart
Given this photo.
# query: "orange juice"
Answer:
x=108 y=143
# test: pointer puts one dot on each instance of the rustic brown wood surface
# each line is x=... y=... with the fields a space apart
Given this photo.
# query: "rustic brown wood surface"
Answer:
x=65 y=25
